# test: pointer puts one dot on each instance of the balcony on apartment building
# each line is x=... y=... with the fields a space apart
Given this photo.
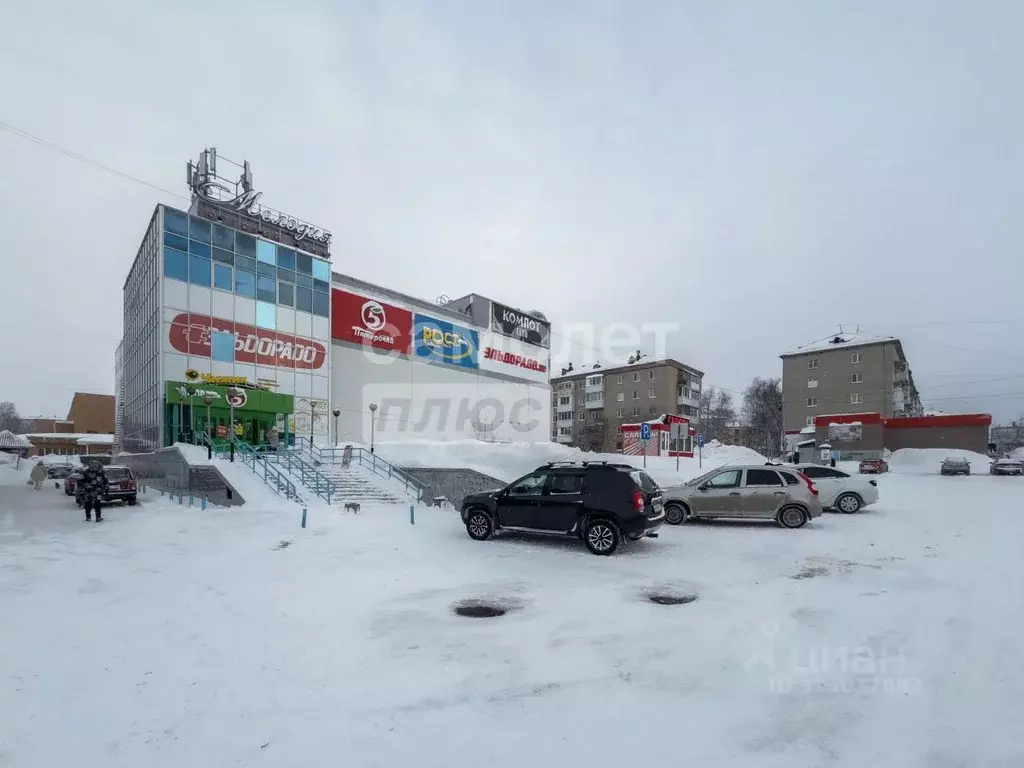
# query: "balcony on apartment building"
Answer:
x=687 y=395
x=594 y=384
x=594 y=400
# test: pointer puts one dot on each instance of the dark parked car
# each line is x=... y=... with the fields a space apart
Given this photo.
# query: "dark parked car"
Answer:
x=598 y=502
x=58 y=471
x=121 y=486
x=873 y=467
x=955 y=465
x=1006 y=467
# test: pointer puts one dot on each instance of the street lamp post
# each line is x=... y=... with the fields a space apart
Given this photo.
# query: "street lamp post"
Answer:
x=208 y=399
x=232 y=393
x=312 y=422
x=336 y=412
x=373 y=411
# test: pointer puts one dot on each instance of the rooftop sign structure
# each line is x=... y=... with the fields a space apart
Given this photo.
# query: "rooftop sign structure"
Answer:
x=237 y=204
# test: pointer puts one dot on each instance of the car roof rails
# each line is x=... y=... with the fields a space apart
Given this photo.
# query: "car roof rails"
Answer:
x=602 y=463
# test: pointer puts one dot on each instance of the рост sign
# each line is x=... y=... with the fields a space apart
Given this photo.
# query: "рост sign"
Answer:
x=445 y=342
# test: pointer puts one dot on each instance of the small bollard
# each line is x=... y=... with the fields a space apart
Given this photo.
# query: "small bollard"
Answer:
x=303 y=517
x=412 y=514
x=204 y=502
x=190 y=500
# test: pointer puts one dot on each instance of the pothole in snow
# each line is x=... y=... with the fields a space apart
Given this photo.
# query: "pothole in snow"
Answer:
x=484 y=608
x=670 y=598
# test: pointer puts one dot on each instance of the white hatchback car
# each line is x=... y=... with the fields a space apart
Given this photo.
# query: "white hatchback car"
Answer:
x=839 y=490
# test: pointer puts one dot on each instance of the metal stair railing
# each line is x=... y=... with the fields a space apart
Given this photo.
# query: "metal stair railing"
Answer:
x=309 y=476
x=332 y=454
x=255 y=459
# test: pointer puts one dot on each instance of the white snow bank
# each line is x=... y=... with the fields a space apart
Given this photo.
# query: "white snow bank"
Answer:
x=507 y=461
x=927 y=460
x=13 y=474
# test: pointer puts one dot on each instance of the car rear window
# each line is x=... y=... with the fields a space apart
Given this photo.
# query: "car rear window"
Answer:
x=790 y=478
x=114 y=473
x=645 y=481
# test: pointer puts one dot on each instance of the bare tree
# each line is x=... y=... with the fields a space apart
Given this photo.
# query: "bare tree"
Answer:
x=762 y=410
x=591 y=436
x=484 y=432
x=715 y=412
x=9 y=418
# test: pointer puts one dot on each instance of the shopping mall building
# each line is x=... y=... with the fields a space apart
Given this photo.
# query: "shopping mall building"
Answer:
x=232 y=310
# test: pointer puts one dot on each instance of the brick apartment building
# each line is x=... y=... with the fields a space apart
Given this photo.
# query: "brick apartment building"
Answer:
x=589 y=406
x=90 y=418
x=846 y=373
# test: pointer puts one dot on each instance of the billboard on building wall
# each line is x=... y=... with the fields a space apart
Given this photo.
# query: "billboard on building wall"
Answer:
x=845 y=433
x=519 y=325
x=505 y=355
x=194 y=334
x=363 y=320
x=440 y=341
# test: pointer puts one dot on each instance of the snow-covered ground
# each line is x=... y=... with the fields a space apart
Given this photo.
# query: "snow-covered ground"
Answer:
x=928 y=460
x=169 y=636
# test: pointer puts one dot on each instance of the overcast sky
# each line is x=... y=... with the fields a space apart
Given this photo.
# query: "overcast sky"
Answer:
x=758 y=172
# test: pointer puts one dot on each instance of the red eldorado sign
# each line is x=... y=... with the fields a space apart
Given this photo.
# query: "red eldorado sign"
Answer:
x=190 y=335
x=362 y=320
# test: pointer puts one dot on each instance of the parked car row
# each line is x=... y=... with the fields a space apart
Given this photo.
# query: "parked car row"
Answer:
x=121 y=485
x=958 y=465
x=605 y=502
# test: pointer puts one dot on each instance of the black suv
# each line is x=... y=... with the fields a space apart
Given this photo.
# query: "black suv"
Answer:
x=596 y=501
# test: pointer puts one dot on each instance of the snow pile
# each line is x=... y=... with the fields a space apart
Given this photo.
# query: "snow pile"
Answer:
x=12 y=473
x=507 y=461
x=928 y=460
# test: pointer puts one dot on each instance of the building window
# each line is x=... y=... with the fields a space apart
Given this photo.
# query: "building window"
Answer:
x=618 y=379
x=636 y=395
x=856 y=378
x=244 y=262
x=812 y=364
x=810 y=421
x=856 y=398
x=176 y=265
x=224 y=257
x=321 y=304
x=222 y=277
x=581 y=417
x=563 y=401
x=636 y=377
x=266 y=288
x=245 y=283
x=652 y=393
x=285 y=258
x=199 y=229
x=175 y=221
x=652 y=411
x=812 y=383
x=812 y=402
x=620 y=412
x=855 y=358
x=245 y=245
x=266 y=252
x=304 y=263
x=304 y=299
x=222 y=346
x=286 y=294
x=620 y=397
x=636 y=412
x=652 y=374
x=223 y=238
x=176 y=242
x=198 y=270
x=321 y=270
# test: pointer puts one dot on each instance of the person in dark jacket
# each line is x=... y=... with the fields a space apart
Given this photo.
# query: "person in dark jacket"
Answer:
x=94 y=487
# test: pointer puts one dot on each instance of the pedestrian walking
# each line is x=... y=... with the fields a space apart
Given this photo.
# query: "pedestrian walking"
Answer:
x=37 y=475
x=93 y=486
x=273 y=439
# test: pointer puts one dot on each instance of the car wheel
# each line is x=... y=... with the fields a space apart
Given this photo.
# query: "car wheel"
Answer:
x=479 y=525
x=792 y=517
x=601 y=537
x=848 y=503
x=676 y=514
x=132 y=501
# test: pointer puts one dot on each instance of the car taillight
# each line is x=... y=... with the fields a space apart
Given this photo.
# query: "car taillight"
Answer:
x=131 y=485
x=638 y=500
x=810 y=483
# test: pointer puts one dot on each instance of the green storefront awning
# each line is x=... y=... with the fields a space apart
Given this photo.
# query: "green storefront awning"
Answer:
x=245 y=400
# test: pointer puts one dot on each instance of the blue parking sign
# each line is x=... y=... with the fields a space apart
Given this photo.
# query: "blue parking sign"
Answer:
x=700 y=440
x=645 y=431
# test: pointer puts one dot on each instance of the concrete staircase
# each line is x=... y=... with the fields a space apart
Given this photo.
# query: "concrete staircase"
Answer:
x=353 y=483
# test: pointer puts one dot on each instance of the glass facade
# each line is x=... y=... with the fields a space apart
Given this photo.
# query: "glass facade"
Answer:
x=140 y=389
x=200 y=252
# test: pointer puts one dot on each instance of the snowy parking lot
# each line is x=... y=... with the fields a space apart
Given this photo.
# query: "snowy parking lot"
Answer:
x=167 y=636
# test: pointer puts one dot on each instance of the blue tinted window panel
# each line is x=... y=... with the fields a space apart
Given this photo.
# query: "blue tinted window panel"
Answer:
x=304 y=280
x=245 y=283
x=245 y=244
x=287 y=275
x=176 y=222
x=286 y=294
x=266 y=288
x=322 y=270
x=304 y=299
x=321 y=304
x=177 y=242
x=199 y=249
x=223 y=237
x=303 y=263
x=266 y=315
x=199 y=229
x=222 y=277
x=224 y=257
x=244 y=262
x=266 y=252
x=285 y=258
x=222 y=346
x=176 y=265
x=198 y=270
x=266 y=269
x=321 y=285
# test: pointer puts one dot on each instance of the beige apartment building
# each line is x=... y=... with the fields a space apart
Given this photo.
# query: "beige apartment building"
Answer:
x=588 y=406
x=847 y=373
